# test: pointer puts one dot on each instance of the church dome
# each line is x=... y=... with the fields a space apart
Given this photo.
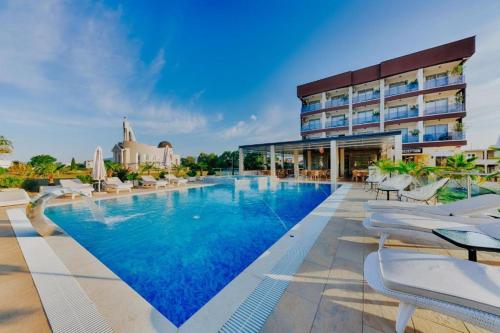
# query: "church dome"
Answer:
x=164 y=144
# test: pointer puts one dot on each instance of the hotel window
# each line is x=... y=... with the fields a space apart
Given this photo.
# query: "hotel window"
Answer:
x=397 y=112
x=436 y=106
x=436 y=132
x=313 y=124
x=436 y=80
x=397 y=88
x=365 y=94
x=365 y=117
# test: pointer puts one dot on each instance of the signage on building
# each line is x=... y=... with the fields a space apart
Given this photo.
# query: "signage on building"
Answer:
x=412 y=151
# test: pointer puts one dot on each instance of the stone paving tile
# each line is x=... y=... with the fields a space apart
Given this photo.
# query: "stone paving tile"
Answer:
x=309 y=282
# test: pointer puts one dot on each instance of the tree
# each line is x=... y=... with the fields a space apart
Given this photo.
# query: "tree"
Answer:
x=48 y=169
x=189 y=162
x=147 y=167
x=254 y=161
x=73 y=165
x=5 y=145
x=42 y=159
x=112 y=167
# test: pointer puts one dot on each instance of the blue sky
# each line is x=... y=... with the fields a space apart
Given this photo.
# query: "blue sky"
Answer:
x=209 y=76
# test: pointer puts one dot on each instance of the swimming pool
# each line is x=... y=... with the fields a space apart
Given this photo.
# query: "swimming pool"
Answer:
x=178 y=249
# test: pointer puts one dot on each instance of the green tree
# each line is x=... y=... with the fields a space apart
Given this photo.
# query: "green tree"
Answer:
x=73 y=165
x=42 y=159
x=459 y=163
x=385 y=166
x=254 y=161
x=147 y=167
x=6 y=146
x=112 y=167
x=48 y=169
x=189 y=162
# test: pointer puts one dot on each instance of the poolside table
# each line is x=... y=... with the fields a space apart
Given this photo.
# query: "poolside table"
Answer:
x=389 y=192
x=470 y=240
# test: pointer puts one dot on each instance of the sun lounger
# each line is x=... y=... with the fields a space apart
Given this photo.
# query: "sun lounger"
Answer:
x=459 y=288
x=14 y=197
x=417 y=227
x=425 y=193
x=176 y=180
x=77 y=186
x=115 y=184
x=375 y=179
x=474 y=206
x=151 y=181
x=397 y=184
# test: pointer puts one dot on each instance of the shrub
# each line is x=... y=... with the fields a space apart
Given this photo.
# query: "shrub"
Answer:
x=211 y=172
x=86 y=179
x=11 y=181
x=31 y=185
x=191 y=173
x=3 y=170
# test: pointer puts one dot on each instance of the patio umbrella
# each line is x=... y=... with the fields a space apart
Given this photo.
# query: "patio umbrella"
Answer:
x=98 y=168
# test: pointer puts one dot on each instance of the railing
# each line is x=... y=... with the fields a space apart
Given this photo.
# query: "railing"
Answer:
x=409 y=113
x=403 y=89
x=311 y=126
x=448 y=108
x=337 y=123
x=311 y=107
x=336 y=102
x=444 y=136
x=410 y=138
x=366 y=120
x=366 y=97
x=444 y=81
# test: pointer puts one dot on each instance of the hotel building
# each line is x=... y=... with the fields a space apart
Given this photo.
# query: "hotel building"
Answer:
x=410 y=107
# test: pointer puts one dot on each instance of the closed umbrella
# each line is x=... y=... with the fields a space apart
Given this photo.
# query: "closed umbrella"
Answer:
x=98 y=168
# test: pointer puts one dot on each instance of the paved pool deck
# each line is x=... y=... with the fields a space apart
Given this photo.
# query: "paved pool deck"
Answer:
x=329 y=293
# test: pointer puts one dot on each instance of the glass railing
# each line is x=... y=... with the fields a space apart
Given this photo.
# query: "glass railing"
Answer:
x=337 y=123
x=393 y=115
x=403 y=89
x=444 y=81
x=311 y=126
x=410 y=138
x=448 y=108
x=366 y=120
x=366 y=97
x=444 y=136
x=336 y=102
x=311 y=107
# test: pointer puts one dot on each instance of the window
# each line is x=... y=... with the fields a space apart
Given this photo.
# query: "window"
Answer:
x=397 y=112
x=312 y=124
x=436 y=80
x=364 y=95
x=436 y=132
x=338 y=121
x=365 y=117
x=436 y=106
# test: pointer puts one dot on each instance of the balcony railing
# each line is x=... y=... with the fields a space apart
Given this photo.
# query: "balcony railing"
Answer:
x=366 y=120
x=444 y=136
x=448 y=108
x=403 y=89
x=410 y=138
x=366 y=97
x=409 y=113
x=444 y=81
x=337 y=123
x=336 y=102
x=311 y=107
x=311 y=126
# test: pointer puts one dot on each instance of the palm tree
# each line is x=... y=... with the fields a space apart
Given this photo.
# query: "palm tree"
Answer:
x=49 y=170
x=5 y=145
x=112 y=167
x=385 y=166
x=147 y=167
x=459 y=163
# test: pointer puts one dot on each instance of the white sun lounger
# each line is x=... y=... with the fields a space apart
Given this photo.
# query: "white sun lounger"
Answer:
x=462 y=289
x=77 y=186
x=176 y=180
x=425 y=193
x=115 y=184
x=417 y=227
x=467 y=207
x=151 y=181
x=14 y=197
x=396 y=183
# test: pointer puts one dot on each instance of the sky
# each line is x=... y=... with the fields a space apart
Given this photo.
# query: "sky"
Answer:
x=212 y=75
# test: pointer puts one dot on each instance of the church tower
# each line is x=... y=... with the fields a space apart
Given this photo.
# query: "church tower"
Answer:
x=128 y=133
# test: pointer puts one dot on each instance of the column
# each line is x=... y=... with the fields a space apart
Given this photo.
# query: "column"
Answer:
x=398 y=148
x=273 y=162
x=309 y=160
x=382 y=104
x=420 y=78
x=323 y=99
x=334 y=164
x=323 y=124
x=296 y=170
x=342 y=161
x=264 y=160
x=350 y=110
x=241 y=162
x=421 y=112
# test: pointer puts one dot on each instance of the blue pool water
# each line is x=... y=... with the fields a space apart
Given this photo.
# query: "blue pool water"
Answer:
x=178 y=249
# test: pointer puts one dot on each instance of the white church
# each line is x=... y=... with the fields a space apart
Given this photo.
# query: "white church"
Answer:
x=131 y=154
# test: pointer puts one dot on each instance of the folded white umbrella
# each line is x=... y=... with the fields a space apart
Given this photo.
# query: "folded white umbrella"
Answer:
x=98 y=168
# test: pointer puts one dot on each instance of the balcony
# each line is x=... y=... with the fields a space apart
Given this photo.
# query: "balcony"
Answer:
x=337 y=123
x=442 y=109
x=409 y=113
x=408 y=138
x=444 y=81
x=311 y=107
x=366 y=97
x=337 y=102
x=366 y=120
x=444 y=136
x=403 y=89
x=311 y=126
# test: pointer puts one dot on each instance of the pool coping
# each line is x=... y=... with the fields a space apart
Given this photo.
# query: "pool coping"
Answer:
x=127 y=310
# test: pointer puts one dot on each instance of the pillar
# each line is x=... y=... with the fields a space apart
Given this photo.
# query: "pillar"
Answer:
x=264 y=160
x=241 y=162
x=323 y=123
x=421 y=112
x=273 y=162
x=342 y=161
x=309 y=160
x=382 y=104
x=350 y=110
x=398 y=148
x=334 y=164
x=420 y=78
x=296 y=170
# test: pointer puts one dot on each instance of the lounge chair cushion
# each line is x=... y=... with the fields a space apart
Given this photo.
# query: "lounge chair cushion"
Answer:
x=422 y=223
x=448 y=279
x=14 y=197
